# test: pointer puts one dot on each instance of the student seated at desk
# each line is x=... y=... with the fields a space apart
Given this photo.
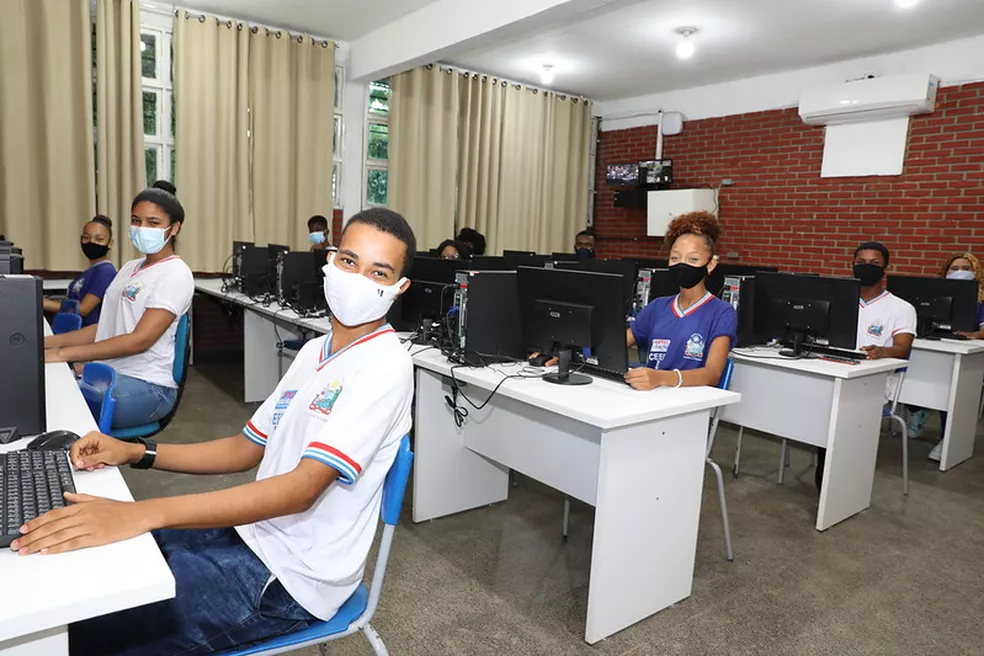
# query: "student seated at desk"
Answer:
x=685 y=338
x=452 y=249
x=886 y=323
x=269 y=557
x=136 y=331
x=962 y=266
x=89 y=286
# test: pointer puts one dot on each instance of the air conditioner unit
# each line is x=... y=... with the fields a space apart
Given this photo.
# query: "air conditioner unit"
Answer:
x=874 y=99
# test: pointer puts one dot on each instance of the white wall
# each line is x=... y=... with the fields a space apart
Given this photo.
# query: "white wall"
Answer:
x=955 y=62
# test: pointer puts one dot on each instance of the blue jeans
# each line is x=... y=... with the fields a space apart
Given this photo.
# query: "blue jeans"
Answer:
x=225 y=599
x=139 y=402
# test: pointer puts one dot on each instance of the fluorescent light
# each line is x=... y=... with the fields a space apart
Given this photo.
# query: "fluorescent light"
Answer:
x=143 y=46
x=906 y=4
x=685 y=49
x=547 y=74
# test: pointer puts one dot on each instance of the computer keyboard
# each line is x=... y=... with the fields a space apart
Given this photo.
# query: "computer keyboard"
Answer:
x=836 y=353
x=31 y=484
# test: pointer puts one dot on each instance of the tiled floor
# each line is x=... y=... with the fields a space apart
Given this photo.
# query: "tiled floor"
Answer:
x=904 y=577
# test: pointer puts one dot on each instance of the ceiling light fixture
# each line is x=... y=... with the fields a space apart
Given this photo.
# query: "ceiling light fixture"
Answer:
x=906 y=4
x=685 y=48
x=547 y=75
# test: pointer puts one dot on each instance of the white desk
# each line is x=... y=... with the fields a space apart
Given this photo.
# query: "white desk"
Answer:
x=261 y=327
x=827 y=404
x=638 y=457
x=947 y=375
x=47 y=593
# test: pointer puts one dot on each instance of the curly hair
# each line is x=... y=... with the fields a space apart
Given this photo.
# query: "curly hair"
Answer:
x=975 y=264
x=699 y=223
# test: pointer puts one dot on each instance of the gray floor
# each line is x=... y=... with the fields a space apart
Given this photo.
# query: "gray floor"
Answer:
x=904 y=577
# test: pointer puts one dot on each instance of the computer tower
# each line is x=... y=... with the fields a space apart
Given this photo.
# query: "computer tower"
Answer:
x=22 y=354
x=256 y=272
x=739 y=291
x=489 y=328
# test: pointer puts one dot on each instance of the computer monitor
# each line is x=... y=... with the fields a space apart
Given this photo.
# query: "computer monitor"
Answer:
x=301 y=282
x=715 y=281
x=22 y=399
x=942 y=305
x=626 y=269
x=565 y=257
x=430 y=295
x=804 y=310
x=516 y=259
x=489 y=263
x=568 y=311
x=509 y=253
x=650 y=262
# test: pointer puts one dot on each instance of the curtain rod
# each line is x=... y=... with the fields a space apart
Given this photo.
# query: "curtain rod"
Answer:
x=254 y=27
x=497 y=78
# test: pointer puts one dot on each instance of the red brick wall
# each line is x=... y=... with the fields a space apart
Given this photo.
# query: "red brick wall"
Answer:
x=780 y=212
x=336 y=227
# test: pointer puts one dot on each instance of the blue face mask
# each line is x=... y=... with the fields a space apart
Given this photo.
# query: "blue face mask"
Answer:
x=585 y=252
x=148 y=240
x=317 y=238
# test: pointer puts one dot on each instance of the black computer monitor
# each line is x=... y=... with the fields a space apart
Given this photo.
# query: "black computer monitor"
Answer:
x=650 y=262
x=489 y=263
x=942 y=305
x=509 y=253
x=516 y=259
x=661 y=284
x=566 y=312
x=565 y=257
x=625 y=269
x=804 y=310
x=430 y=295
x=715 y=281
x=434 y=269
x=301 y=282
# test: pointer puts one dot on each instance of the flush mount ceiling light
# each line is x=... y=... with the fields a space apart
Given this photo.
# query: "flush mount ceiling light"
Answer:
x=547 y=74
x=685 y=48
x=906 y=4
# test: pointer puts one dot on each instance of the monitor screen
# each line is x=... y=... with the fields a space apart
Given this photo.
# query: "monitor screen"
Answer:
x=622 y=175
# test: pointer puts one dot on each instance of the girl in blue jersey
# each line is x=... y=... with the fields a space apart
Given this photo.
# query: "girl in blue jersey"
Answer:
x=89 y=286
x=685 y=339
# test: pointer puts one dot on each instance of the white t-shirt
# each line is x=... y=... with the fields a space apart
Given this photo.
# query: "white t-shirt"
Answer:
x=880 y=320
x=165 y=285
x=348 y=411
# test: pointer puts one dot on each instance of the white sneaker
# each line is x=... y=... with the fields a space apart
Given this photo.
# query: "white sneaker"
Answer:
x=937 y=453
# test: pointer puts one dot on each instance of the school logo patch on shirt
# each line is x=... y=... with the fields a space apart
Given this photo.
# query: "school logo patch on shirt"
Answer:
x=77 y=286
x=876 y=329
x=694 y=349
x=325 y=400
x=130 y=291
x=282 y=404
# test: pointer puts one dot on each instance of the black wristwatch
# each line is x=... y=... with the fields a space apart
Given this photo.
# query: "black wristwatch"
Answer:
x=149 y=456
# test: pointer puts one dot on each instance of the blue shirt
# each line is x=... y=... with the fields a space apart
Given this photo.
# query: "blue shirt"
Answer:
x=681 y=339
x=93 y=280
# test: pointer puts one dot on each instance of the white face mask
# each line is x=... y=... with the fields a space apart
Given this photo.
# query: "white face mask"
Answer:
x=355 y=299
x=961 y=275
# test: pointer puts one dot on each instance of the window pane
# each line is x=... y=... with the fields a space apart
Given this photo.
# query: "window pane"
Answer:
x=336 y=143
x=376 y=186
x=378 y=147
x=148 y=55
x=173 y=176
x=172 y=116
x=379 y=97
x=150 y=112
x=338 y=89
x=334 y=185
x=150 y=158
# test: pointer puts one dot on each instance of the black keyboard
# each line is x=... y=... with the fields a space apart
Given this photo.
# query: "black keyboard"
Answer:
x=31 y=484
x=943 y=334
x=842 y=354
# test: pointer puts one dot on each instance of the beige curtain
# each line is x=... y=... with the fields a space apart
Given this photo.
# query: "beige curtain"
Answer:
x=121 y=173
x=423 y=151
x=211 y=98
x=292 y=97
x=479 y=151
x=46 y=159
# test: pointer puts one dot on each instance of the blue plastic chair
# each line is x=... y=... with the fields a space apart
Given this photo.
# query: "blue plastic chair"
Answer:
x=97 y=383
x=182 y=353
x=356 y=613
x=66 y=322
x=724 y=382
x=69 y=306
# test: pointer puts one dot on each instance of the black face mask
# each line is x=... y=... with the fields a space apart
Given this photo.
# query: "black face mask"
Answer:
x=687 y=275
x=94 y=251
x=584 y=252
x=869 y=274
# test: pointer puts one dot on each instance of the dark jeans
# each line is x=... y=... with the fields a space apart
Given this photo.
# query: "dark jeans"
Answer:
x=224 y=599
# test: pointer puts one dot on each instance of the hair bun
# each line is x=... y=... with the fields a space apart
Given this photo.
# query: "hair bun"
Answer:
x=103 y=219
x=165 y=185
x=695 y=223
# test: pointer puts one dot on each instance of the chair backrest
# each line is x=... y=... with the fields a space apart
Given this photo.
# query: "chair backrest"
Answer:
x=65 y=322
x=69 y=305
x=98 y=381
x=724 y=382
x=179 y=369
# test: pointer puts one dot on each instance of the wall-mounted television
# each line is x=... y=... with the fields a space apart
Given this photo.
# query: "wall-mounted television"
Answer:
x=622 y=175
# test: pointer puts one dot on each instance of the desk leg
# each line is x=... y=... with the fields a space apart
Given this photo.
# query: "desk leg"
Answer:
x=260 y=355
x=51 y=642
x=852 y=448
x=961 y=424
x=645 y=534
x=447 y=477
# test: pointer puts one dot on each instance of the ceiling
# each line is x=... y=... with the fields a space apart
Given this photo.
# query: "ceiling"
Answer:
x=629 y=51
x=343 y=20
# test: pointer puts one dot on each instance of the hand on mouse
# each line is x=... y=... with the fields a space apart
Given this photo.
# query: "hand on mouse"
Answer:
x=89 y=522
x=96 y=450
x=547 y=362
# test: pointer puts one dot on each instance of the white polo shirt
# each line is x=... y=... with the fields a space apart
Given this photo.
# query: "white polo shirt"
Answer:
x=165 y=285
x=880 y=320
x=349 y=411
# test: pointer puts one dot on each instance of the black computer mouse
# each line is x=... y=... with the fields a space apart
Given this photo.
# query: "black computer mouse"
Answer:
x=540 y=360
x=56 y=440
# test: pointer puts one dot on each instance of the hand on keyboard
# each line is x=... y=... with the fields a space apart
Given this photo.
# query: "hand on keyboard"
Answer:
x=89 y=522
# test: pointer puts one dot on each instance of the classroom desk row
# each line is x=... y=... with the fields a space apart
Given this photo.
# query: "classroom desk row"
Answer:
x=634 y=452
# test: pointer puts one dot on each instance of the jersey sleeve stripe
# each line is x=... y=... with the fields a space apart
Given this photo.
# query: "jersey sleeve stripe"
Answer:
x=318 y=446
x=346 y=474
x=254 y=435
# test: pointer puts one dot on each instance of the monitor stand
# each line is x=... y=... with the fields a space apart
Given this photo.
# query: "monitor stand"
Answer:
x=564 y=375
x=799 y=337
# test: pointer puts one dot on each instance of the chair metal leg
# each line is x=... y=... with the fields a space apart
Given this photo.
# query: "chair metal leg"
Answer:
x=728 y=552
x=374 y=640
x=741 y=433
x=783 y=461
x=905 y=456
x=567 y=517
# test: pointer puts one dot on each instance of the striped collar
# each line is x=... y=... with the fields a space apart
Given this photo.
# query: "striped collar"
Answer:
x=675 y=305
x=327 y=356
x=140 y=267
x=863 y=303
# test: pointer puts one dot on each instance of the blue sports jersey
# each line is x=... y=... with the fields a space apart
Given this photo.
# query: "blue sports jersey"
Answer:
x=93 y=280
x=681 y=339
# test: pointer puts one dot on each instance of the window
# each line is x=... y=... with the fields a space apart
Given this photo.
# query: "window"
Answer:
x=377 y=143
x=158 y=102
x=336 y=169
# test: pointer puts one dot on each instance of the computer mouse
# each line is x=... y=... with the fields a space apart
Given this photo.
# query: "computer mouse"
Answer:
x=56 y=440
x=540 y=360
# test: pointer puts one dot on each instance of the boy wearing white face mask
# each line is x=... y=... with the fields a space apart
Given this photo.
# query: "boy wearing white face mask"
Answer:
x=139 y=319
x=270 y=556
